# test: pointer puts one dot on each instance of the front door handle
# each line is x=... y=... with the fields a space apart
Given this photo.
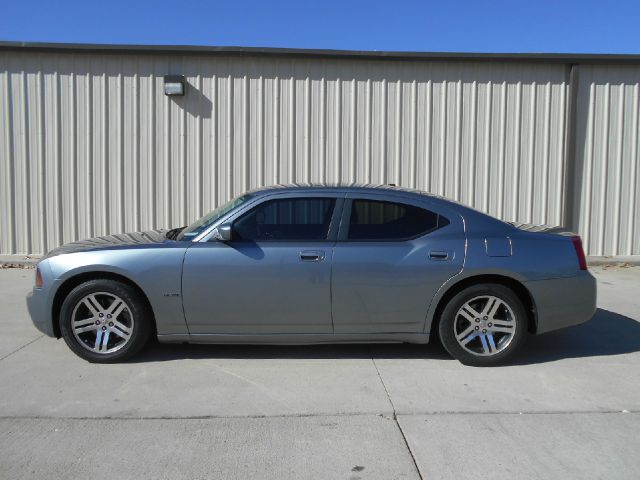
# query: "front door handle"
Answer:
x=438 y=255
x=312 y=255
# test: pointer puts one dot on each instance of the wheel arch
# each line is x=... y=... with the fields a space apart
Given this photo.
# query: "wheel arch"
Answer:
x=515 y=285
x=72 y=282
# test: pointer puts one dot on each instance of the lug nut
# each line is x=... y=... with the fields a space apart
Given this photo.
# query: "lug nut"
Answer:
x=485 y=317
x=108 y=315
x=484 y=330
x=111 y=324
x=101 y=315
x=97 y=322
x=104 y=328
x=490 y=324
x=477 y=328
x=477 y=320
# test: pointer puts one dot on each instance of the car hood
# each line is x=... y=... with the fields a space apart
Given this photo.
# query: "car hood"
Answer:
x=150 y=237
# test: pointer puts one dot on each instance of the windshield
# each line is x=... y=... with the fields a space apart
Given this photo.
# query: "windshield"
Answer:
x=200 y=225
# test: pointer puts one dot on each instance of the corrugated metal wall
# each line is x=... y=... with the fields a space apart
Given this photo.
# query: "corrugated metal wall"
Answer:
x=90 y=144
x=608 y=159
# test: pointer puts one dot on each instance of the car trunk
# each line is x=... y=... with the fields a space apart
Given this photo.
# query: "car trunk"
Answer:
x=531 y=227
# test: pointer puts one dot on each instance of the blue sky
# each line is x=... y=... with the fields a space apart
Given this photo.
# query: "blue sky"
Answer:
x=469 y=26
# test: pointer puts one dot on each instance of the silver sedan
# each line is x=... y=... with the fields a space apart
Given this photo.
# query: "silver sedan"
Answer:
x=314 y=264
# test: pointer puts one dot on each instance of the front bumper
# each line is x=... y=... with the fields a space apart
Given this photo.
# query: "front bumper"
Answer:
x=563 y=302
x=37 y=304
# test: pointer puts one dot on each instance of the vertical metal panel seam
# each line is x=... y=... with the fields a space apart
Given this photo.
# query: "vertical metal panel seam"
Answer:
x=215 y=154
x=473 y=143
x=26 y=193
x=323 y=130
x=545 y=152
x=517 y=153
x=246 y=166
x=292 y=131
x=532 y=150
x=603 y=173
x=58 y=161
x=167 y=216
x=384 y=158
x=398 y=140
x=230 y=138
x=89 y=212
x=261 y=137
x=458 y=142
x=152 y=152
x=569 y=216
x=338 y=129
x=367 y=146
x=487 y=146
x=42 y=181
x=183 y=169
x=137 y=186
x=200 y=183
x=307 y=132
x=105 y=154
x=353 y=126
x=634 y=163
x=618 y=174
x=589 y=166
x=122 y=211
x=428 y=161
x=277 y=168
x=502 y=146
x=10 y=174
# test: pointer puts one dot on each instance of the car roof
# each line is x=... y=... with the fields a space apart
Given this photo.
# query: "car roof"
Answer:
x=338 y=188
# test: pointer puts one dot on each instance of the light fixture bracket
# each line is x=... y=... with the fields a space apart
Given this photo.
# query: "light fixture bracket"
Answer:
x=174 y=85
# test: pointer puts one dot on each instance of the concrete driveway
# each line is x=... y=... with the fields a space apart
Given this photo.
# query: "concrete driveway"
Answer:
x=568 y=408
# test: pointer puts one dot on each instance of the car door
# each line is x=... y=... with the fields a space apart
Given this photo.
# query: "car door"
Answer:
x=273 y=277
x=392 y=255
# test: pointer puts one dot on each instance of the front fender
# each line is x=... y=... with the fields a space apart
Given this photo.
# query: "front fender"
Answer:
x=157 y=272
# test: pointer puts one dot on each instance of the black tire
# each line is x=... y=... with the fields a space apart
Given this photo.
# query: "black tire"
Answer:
x=137 y=312
x=449 y=317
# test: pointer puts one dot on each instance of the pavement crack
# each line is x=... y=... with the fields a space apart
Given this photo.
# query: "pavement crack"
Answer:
x=384 y=386
x=20 y=348
x=395 y=419
x=297 y=415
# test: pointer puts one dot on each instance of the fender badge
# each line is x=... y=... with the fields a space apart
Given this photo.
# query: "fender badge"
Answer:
x=171 y=294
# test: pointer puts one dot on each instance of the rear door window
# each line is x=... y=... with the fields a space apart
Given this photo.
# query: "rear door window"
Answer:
x=373 y=220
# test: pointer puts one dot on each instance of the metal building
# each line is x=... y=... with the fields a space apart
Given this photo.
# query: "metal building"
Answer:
x=90 y=144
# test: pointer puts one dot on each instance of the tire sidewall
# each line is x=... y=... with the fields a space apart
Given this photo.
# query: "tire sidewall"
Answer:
x=137 y=307
x=446 y=325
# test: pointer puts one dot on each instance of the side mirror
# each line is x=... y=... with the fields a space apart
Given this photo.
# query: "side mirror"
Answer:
x=222 y=233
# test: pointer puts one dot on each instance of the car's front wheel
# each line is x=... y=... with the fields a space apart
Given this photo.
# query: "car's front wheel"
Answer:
x=483 y=325
x=104 y=321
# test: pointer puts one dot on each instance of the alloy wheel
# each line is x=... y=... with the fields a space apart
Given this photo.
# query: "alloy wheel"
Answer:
x=484 y=325
x=102 y=322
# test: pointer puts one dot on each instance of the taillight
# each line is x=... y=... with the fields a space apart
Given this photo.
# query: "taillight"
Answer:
x=577 y=244
x=38 y=278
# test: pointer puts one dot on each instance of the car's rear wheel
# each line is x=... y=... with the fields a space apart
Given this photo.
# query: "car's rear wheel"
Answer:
x=104 y=321
x=483 y=325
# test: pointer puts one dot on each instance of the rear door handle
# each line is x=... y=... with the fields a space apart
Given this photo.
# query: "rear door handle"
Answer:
x=312 y=255
x=438 y=255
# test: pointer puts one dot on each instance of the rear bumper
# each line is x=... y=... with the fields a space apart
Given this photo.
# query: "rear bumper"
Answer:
x=563 y=302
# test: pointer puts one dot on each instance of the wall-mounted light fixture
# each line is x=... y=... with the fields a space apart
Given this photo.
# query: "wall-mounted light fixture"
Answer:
x=174 y=85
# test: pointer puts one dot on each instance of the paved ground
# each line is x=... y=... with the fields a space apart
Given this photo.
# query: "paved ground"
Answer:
x=569 y=408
